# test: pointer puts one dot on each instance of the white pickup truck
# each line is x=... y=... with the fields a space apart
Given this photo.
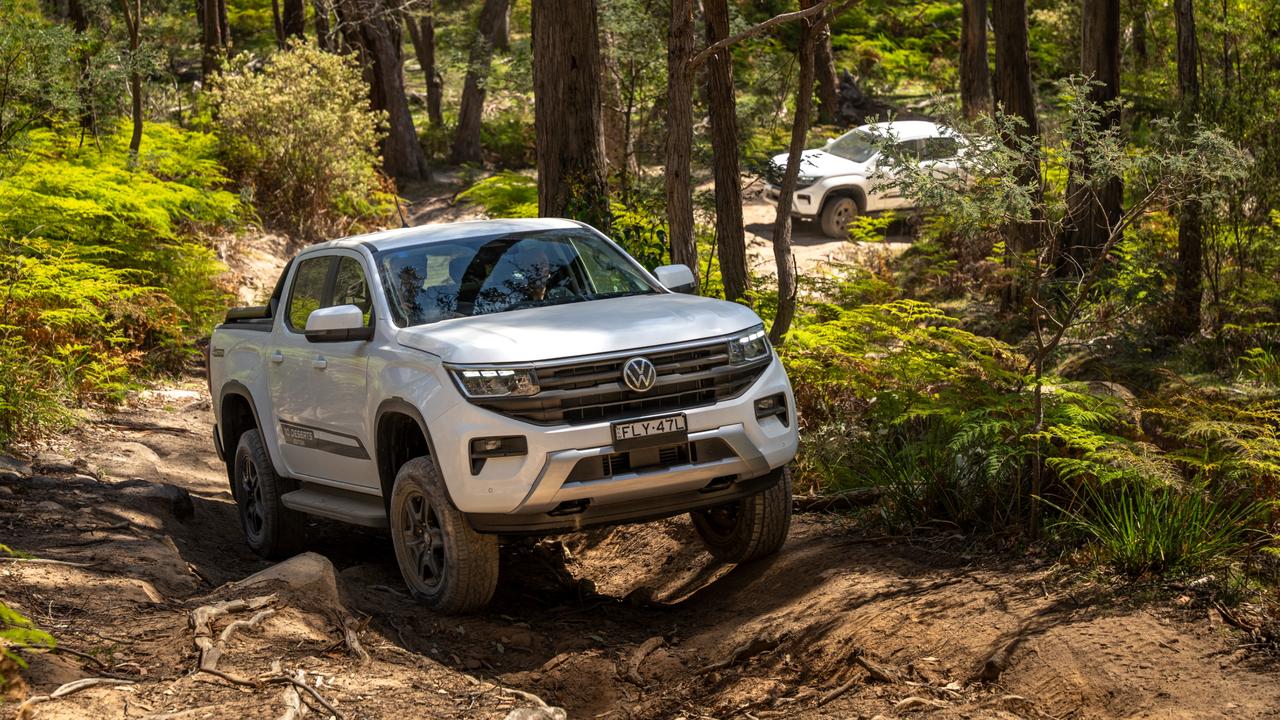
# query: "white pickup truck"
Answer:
x=462 y=383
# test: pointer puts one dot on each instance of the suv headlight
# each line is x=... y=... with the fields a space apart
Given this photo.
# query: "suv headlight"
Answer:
x=750 y=345
x=805 y=181
x=496 y=382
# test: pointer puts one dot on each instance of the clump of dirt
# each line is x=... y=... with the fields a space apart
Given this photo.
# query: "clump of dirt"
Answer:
x=150 y=576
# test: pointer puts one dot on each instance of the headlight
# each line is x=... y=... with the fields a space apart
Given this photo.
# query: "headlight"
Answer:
x=496 y=382
x=751 y=345
x=806 y=180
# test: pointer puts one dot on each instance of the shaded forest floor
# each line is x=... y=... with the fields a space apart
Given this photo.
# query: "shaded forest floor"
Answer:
x=633 y=622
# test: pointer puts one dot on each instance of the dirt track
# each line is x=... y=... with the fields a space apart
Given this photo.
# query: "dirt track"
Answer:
x=635 y=622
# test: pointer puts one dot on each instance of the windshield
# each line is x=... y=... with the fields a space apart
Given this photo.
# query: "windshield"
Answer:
x=478 y=276
x=857 y=146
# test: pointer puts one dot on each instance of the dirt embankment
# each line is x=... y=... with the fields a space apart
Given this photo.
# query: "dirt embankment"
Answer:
x=634 y=622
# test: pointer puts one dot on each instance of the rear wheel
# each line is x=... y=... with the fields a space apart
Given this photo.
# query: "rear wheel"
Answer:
x=836 y=216
x=750 y=528
x=447 y=565
x=270 y=529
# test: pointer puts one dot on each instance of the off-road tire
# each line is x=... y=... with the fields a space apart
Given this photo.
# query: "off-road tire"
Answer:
x=750 y=528
x=270 y=529
x=837 y=213
x=432 y=538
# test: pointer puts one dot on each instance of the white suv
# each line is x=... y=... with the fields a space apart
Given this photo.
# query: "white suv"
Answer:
x=457 y=383
x=844 y=178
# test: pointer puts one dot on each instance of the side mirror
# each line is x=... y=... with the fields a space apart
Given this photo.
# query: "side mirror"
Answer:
x=339 y=323
x=676 y=278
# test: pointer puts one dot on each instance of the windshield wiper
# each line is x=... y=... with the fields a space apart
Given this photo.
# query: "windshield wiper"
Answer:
x=623 y=293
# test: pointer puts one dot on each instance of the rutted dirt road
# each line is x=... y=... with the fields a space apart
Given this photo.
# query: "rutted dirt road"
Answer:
x=635 y=622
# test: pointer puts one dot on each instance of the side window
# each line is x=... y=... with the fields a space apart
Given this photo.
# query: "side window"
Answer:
x=907 y=150
x=350 y=288
x=307 y=294
x=940 y=148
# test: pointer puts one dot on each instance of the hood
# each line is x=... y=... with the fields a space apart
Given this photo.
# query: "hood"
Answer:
x=823 y=164
x=577 y=329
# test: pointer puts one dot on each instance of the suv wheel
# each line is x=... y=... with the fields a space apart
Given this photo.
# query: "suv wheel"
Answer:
x=836 y=216
x=447 y=565
x=270 y=529
x=750 y=528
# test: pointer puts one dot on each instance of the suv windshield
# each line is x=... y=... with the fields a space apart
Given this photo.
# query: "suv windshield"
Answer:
x=479 y=276
x=857 y=146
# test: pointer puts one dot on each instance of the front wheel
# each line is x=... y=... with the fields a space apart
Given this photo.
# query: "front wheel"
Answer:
x=836 y=216
x=750 y=528
x=448 y=566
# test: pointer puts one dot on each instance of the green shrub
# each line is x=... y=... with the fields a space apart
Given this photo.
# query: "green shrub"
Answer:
x=300 y=136
x=505 y=195
x=16 y=633
x=1139 y=528
x=103 y=270
x=509 y=141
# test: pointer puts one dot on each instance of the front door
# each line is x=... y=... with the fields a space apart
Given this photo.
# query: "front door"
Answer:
x=319 y=390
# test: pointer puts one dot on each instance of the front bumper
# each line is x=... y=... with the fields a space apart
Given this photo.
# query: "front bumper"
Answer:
x=549 y=479
x=805 y=204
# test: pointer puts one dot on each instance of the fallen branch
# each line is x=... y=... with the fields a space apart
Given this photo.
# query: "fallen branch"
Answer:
x=301 y=685
x=351 y=636
x=638 y=657
x=65 y=690
x=47 y=561
x=293 y=707
x=84 y=656
x=842 y=689
x=847 y=500
x=875 y=672
x=275 y=680
x=747 y=650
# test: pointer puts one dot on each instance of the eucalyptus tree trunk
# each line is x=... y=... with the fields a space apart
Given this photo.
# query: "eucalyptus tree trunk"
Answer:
x=975 y=73
x=324 y=38
x=422 y=32
x=679 y=144
x=1095 y=203
x=1015 y=97
x=783 y=257
x=133 y=20
x=211 y=40
x=572 y=171
x=293 y=21
x=466 y=138
x=730 y=238
x=1189 y=269
x=824 y=66
x=373 y=30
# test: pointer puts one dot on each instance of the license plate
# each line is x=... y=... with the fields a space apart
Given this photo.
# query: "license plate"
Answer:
x=669 y=430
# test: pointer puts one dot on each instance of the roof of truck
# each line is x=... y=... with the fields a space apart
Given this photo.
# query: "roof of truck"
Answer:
x=907 y=129
x=403 y=237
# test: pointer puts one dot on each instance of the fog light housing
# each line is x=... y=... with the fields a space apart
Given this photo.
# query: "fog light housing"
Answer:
x=490 y=447
x=773 y=406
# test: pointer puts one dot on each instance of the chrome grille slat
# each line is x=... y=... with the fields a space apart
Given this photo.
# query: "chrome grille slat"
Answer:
x=592 y=391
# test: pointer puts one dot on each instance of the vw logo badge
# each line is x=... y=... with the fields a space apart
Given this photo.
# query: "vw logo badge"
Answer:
x=639 y=374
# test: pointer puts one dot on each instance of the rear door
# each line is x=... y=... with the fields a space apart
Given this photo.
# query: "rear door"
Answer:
x=320 y=390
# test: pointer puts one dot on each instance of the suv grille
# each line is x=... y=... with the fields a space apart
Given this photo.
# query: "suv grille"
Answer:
x=584 y=392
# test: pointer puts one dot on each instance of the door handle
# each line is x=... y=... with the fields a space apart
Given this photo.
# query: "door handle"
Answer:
x=277 y=357
x=319 y=362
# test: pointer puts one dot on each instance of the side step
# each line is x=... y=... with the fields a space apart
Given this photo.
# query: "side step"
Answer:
x=344 y=505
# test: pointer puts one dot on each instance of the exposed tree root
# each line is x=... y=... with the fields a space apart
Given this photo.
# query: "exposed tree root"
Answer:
x=638 y=657
x=746 y=651
x=202 y=619
x=24 y=710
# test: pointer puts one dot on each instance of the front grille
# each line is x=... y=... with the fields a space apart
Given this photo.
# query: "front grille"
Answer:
x=575 y=393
